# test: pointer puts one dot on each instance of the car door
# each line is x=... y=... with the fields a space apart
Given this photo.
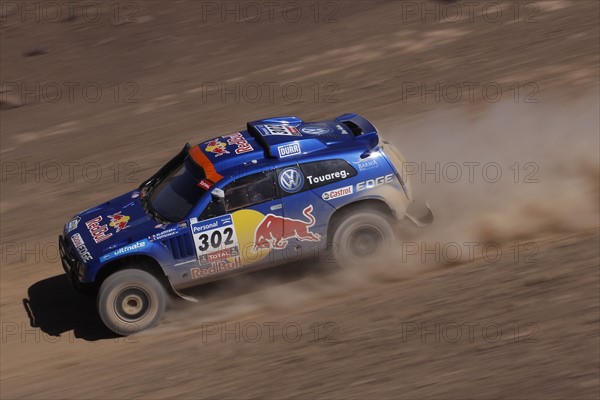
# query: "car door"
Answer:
x=306 y=215
x=243 y=231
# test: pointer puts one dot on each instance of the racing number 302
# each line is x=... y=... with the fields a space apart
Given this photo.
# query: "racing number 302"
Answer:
x=215 y=239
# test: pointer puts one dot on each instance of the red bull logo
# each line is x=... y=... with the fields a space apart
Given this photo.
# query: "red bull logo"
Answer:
x=274 y=231
x=238 y=139
x=217 y=147
x=119 y=221
x=97 y=231
x=215 y=268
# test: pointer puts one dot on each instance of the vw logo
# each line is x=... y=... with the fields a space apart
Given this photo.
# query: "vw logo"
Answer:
x=315 y=130
x=291 y=180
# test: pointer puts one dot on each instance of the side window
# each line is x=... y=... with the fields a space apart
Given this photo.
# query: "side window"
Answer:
x=213 y=209
x=250 y=190
x=321 y=173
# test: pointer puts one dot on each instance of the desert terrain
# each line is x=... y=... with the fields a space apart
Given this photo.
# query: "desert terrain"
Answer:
x=495 y=106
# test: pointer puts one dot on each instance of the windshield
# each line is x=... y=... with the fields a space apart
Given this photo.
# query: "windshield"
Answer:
x=177 y=192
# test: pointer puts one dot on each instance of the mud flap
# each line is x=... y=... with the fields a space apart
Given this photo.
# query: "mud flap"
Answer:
x=181 y=295
x=419 y=213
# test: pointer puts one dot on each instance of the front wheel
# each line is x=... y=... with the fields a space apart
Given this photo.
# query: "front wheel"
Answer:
x=362 y=235
x=130 y=301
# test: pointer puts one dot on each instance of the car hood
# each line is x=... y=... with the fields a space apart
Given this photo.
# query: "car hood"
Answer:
x=112 y=224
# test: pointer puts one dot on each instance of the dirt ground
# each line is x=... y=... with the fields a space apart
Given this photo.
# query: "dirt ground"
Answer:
x=95 y=98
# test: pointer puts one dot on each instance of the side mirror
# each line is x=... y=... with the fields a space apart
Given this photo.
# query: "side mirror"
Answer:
x=218 y=193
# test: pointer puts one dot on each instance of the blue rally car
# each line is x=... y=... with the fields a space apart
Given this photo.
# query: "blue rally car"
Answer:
x=280 y=191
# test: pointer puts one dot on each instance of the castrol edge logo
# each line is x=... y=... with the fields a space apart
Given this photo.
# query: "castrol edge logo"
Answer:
x=337 y=193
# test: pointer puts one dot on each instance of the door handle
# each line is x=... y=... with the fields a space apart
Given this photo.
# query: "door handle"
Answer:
x=276 y=207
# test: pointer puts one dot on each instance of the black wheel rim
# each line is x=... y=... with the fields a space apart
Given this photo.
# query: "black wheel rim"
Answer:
x=132 y=304
x=365 y=241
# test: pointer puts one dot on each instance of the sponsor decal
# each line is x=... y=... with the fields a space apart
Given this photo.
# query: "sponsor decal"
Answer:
x=275 y=231
x=220 y=255
x=240 y=141
x=291 y=180
x=372 y=183
x=315 y=130
x=72 y=224
x=182 y=224
x=278 y=130
x=367 y=164
x=335 y=193
x=163 y=234
x=130 y=248
x=160 y=226
x=215 y=223
x=98 y=231
x=205 y=184
x=290 y=149
x=215 y=268
x=81 y=247
x=213 y=237
x=216 y=147
x=119 y=221
x=135 y=195
x=331 y=177
x=341 y=129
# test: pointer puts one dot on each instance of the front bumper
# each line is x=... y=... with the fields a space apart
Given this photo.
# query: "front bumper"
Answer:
x=73 y=268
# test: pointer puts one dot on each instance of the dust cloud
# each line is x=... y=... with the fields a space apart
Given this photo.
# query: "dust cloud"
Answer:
x=512 y=175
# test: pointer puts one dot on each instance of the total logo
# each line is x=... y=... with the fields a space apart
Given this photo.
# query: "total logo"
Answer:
x=228 y=255
x=205 y=184
x=372 y=183
x=336 y=193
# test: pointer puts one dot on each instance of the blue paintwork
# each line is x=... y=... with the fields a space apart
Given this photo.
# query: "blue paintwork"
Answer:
x=266 y=145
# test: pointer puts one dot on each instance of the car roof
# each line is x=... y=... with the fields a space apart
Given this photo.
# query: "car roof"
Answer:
x=273 y=140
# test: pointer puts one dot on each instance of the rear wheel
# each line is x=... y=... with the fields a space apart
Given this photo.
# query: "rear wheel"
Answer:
x=130 y=301
x=362 y=235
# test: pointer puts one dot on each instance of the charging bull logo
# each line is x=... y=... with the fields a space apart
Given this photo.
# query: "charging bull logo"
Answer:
x=217 y=147
x=118 y=221
x=274 y=231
